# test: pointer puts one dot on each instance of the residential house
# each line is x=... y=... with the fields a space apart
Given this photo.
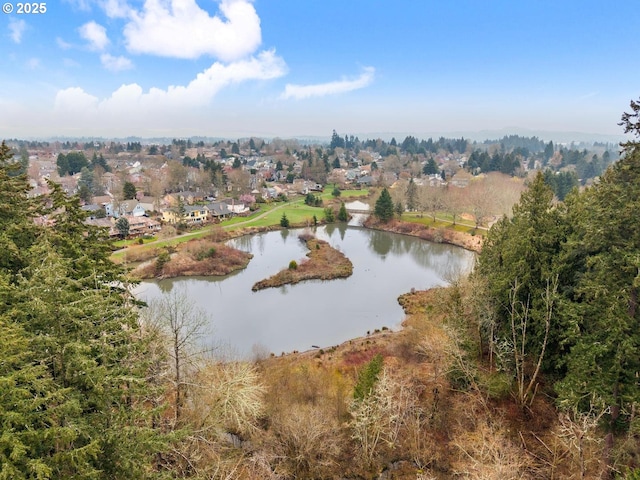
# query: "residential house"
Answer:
x=192 y=215
x=366 y=180
x=150 y=204
x=237 y=208
x=139 y=226
x=187 y=197
x=92 y=208
x=219 y=210
x=126 y=208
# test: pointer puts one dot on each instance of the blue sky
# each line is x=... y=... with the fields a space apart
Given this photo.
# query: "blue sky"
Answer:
x=235 y=68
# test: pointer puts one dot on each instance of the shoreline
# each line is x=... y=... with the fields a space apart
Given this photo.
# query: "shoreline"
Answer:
x=463 y=240
x=324 y=263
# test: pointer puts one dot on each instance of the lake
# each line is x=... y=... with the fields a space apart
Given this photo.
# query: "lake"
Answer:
x=320 y=313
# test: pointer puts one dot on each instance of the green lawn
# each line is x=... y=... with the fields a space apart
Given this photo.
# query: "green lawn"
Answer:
x=296 y=211
x=326 y=194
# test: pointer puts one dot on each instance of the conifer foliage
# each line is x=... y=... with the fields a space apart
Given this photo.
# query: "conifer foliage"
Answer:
x=384 y=209
x=588 y=249
x=73 y=360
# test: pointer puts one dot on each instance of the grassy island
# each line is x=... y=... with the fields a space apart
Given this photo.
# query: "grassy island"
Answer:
x=324 y=263
x=200 y=257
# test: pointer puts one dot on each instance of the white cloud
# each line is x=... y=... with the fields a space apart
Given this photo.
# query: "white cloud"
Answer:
x=115 y=64
x=74 y=100
x=181 y=29
x=84 y=5
x=300 y=92
x=95 y=34
x=62 y=44
x=131 y=103
x=16 y=29
x=116 y=8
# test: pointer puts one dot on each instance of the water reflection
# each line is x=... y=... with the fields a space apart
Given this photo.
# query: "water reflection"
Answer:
x=380 y=242
x=294 y=317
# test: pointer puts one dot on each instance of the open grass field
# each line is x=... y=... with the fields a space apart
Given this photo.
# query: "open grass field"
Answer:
x=326 y=195
x=297 y=212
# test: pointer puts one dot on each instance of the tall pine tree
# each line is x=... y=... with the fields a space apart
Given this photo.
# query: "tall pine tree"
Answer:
x=73 y=391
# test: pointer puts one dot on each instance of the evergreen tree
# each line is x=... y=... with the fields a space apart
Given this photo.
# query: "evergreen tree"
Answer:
x=329 y=216
x=122 y=226
x=343 y=215
x=73 y=385
x=129 y=191
x=412 y=195
x=518 y=263
x=85 y=185
x=17 y=228
x=601 y=259
x=430 y=168
x=384 y=206
x=399 y=209
x=336 y=141
x=368 y=377
x=284 y=221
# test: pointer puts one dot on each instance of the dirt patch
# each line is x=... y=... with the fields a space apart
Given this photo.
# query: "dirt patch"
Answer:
x=323 y=262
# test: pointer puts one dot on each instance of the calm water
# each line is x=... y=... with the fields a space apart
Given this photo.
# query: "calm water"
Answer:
x=295 y=317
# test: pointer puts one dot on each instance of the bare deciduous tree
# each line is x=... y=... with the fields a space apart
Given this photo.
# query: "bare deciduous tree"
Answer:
x=184 y=326
x=519 y=314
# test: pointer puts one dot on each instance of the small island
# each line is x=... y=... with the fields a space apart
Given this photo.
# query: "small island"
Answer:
x=201 y=257
x=324 y=263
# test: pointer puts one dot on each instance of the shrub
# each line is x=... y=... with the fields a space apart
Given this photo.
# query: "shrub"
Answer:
x=368 y=377
x=293 y=265
x=161 y=261
x=206 y=253
x=329 y=216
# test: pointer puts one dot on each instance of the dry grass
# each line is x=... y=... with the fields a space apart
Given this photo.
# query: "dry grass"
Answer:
x=428 y=428
x=437 y=235
x=324 y=263
x=197 y=258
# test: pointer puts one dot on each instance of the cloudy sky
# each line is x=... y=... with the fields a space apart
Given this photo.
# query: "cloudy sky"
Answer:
x=234 y=68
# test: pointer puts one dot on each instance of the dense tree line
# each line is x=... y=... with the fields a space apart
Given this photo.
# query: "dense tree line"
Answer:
x=410 y=144
x=563 y=280
x=511 y=142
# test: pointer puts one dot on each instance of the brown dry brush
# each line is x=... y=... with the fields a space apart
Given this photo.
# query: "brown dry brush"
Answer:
x=323 y=263
x=197 y=257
